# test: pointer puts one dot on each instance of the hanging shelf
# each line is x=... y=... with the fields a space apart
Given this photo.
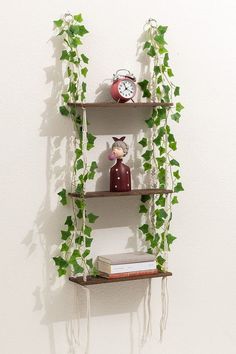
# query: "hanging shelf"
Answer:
x=99 y=280
x=121 y=194
x=121 y=105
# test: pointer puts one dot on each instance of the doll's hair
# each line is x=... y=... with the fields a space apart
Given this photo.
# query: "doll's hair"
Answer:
x=121 y=144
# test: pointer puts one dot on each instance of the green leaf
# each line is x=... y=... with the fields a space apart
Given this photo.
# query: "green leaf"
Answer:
x=161 y=201
x=87 y=230
x=146 y=93
x=75 y=42
x=143 y=142
x=84 y=86
x=174 y=162
x=79 y=164
x=78 y=153
x=91 y=138
x=170 y=239
x=65 y=235
x=79 y=30
x=61 y=271
x=72 y=87
x=176 y=91
x=92 y=218
x=147 y=166
x=162 y=29
x=149 y=237
x=64 y=247
x=160 y=39
x=86 y=253
x=64 y=111
x=163 y=50
x=161 y=161
x=93 y=166
x=160 y=260
x=65 y=97
x=144 y=228
x=84 y=71
x=161 y=213
x=89 y=262
x=151 y=52
x=76 y=254
x=78 y=18
x=79 y=240
x=174 y=200
x=143 y=209
x=58 y=23
x=166 y=59
x=143 y=84
x=88 y=242
x=176 y=116
x=80 y=203
x=150 y=122
x=64 y=55
x=84 y=58
x=157 y=70
x=170 y=72
x=60 y=262
x=69 y=221
x=147 y=155
x=145 y=198
x=162 y=150
x=179 y=107
x=62 y=194
x=80 y=214
x=146 y=45
x=77 y=268
x=176 y=174
x=79 y=188
x=178 y=187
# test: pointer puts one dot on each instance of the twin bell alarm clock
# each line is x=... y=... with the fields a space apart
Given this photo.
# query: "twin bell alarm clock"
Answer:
x=123 y=87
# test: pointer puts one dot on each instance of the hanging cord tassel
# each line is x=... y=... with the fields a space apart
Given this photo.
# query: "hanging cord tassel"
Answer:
x=165 y=306
x=88 y=315
x=84 y=151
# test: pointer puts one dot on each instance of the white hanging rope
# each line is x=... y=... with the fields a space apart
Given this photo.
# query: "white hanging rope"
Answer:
x=165 y=306
x=84 y=151
x=88 y=315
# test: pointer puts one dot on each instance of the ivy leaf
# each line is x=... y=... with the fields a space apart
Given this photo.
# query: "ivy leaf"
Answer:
x=65 y=235
x=69 y=221
x=89 y=262
x=79 y=30
x=176 y=174
x=176 y=116
x=146 y=93
x=85 y=253
x=87 y=230
x=166 y=59
x=150 y=122
x=64 y=111
x=146 y=45
x=161 y=161
x=64 y=55
x=161 y=201
x=75 y=42
x=143 y=209
x=61 y=271
x=151 y=51
x=88 y=242
x=77 y=268
x=157 y=70
x=76 y=254
x=64 y=247
x=79 y=188
x=170 y=239
x=144 y=228
x=170 y=72
x=174 y=162
x=143 y=142
x=145 y=198
x=149 y=237
x=72 y=87
x=78 y=153
x=160 y=260
x=91 y=138
x=176 y=91
x=162 y=150
x=161 y=213
x=65 y=97
x=60 y=262
x=143 y=84
x=80 y=204
x=179 y=107
x=58 y=23
x=147 y=155
x=93 y=166
x=92 y=218
x=79 y=164
x=84 y=58
x=78 y=18
x=84 y=71
x=163 y=50
x=174 y=200
x=147 y=166
x=79 y=240
x=178 y=187
x=160 y=39
x=84 y=86
x=62 y=194
x=162 y=29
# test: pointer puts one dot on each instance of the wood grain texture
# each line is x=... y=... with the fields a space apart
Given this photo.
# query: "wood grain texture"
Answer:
x=121 y=105
x=99 y=280
x=121 y=194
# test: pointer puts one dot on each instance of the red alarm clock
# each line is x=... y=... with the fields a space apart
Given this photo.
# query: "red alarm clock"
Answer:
x=123 y=87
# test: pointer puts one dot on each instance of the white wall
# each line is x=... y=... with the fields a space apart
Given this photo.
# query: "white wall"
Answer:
x=39 y=313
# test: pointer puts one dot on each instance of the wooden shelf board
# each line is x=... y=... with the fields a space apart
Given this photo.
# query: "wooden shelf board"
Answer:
x=121 y=194
x=121 y=105
x=99 y=280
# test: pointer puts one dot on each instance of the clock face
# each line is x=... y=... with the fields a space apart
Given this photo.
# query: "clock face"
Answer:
x=127 y=88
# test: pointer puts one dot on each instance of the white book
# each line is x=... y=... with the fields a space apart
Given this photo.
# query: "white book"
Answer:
x=126 y=267
x=130 y=257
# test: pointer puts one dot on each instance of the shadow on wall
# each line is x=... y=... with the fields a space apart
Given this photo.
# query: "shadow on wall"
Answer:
x=67 y=303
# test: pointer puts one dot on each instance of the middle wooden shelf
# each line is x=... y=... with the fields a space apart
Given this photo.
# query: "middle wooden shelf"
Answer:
x=122 y=194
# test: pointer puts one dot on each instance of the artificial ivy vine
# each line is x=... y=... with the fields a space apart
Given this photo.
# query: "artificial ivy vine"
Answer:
x=76 y=236
x=158 y=156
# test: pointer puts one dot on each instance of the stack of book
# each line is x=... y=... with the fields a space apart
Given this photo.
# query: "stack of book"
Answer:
x=126 y=264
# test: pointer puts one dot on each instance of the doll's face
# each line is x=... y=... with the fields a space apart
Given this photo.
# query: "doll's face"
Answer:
x=118 y=152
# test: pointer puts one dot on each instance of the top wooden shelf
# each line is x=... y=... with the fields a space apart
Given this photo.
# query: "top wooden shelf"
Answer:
x=121 y=105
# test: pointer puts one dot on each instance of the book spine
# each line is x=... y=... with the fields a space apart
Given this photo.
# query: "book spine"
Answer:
x=128 y=274
x=122 y=268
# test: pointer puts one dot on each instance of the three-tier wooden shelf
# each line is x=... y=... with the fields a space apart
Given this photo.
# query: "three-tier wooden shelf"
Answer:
x=92 y=280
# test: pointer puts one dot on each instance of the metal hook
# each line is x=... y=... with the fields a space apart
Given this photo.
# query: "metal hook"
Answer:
x=68 y=17
x=151 y=23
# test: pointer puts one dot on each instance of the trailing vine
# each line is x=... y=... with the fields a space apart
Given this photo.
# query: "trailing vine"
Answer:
x=76 y=236
x=158 y=157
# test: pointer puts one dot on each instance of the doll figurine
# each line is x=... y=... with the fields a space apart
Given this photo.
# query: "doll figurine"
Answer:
x=120 y=180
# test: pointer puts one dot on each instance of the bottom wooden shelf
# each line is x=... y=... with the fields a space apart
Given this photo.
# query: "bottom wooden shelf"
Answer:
x=99 y=280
